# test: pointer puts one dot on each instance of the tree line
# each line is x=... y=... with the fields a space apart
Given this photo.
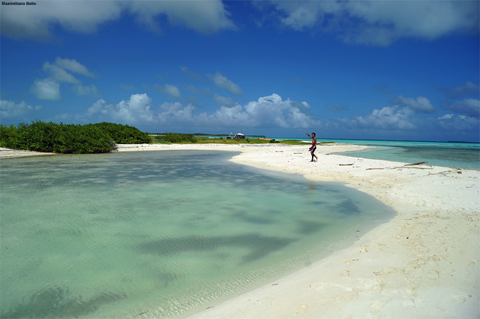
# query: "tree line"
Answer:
x=69 y=138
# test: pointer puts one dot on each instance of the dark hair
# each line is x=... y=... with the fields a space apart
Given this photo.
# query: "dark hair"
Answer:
x=314 y=133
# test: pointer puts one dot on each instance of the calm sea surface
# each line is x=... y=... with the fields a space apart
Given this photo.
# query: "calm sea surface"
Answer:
x=159 y=233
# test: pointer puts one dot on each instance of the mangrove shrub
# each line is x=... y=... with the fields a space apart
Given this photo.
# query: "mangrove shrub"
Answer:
x=179 y=138
x=124 y=134
x=68 y=138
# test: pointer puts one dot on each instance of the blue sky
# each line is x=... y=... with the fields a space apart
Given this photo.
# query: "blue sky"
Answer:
x=400 y=70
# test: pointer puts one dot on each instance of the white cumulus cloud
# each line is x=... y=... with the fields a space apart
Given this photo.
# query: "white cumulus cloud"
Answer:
x=58 y=74
x=202 y=16
x=380 y=22
x=446 y=117
x=73 y=66
x=301 y=17
x=85 y=16
x=267 y=112
x=135 y=110
x=46 y=89
x=387 y=118
x=460 y=123
x=49 y=88
x=470 y=107
x=177 y=114
x=9 y=109
x=420 y=104
x=172 y=90
x=37 y=21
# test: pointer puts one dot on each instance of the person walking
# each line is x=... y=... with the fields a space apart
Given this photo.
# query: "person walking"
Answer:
x=313 y=147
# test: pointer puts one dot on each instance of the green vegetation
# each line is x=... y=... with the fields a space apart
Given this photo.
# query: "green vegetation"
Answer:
x=69 y=138
x=207 y=140
x=180 y=138
x=102 y=137
x=124 y=134
x=168 y=138
x=294 y=142
x=223 y=135
x=203 y=138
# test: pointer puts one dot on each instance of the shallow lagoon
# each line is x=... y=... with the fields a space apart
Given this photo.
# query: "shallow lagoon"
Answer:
x=160 y=233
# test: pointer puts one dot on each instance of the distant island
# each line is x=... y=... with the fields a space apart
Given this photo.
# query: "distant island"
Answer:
x=207 y=134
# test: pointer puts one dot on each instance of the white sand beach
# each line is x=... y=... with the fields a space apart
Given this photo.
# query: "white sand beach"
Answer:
x=423 y=263
x=9 y=153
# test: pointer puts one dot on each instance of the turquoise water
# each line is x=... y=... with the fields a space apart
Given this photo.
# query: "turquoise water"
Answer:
x=448 y=154
x=447 y=157
x=159 y=233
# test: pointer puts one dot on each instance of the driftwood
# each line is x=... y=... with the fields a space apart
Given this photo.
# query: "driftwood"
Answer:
x=345 y=164
x=372 y=168
x=415 y=164
x=412 y=167
x=419 y=163
x=405 y=166
x=458 y=171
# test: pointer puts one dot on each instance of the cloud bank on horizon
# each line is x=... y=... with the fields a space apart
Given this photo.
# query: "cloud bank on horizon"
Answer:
x=345 y=69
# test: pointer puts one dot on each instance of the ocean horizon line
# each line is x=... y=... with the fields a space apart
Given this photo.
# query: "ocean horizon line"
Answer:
x=329 y=138
x=379 y=140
